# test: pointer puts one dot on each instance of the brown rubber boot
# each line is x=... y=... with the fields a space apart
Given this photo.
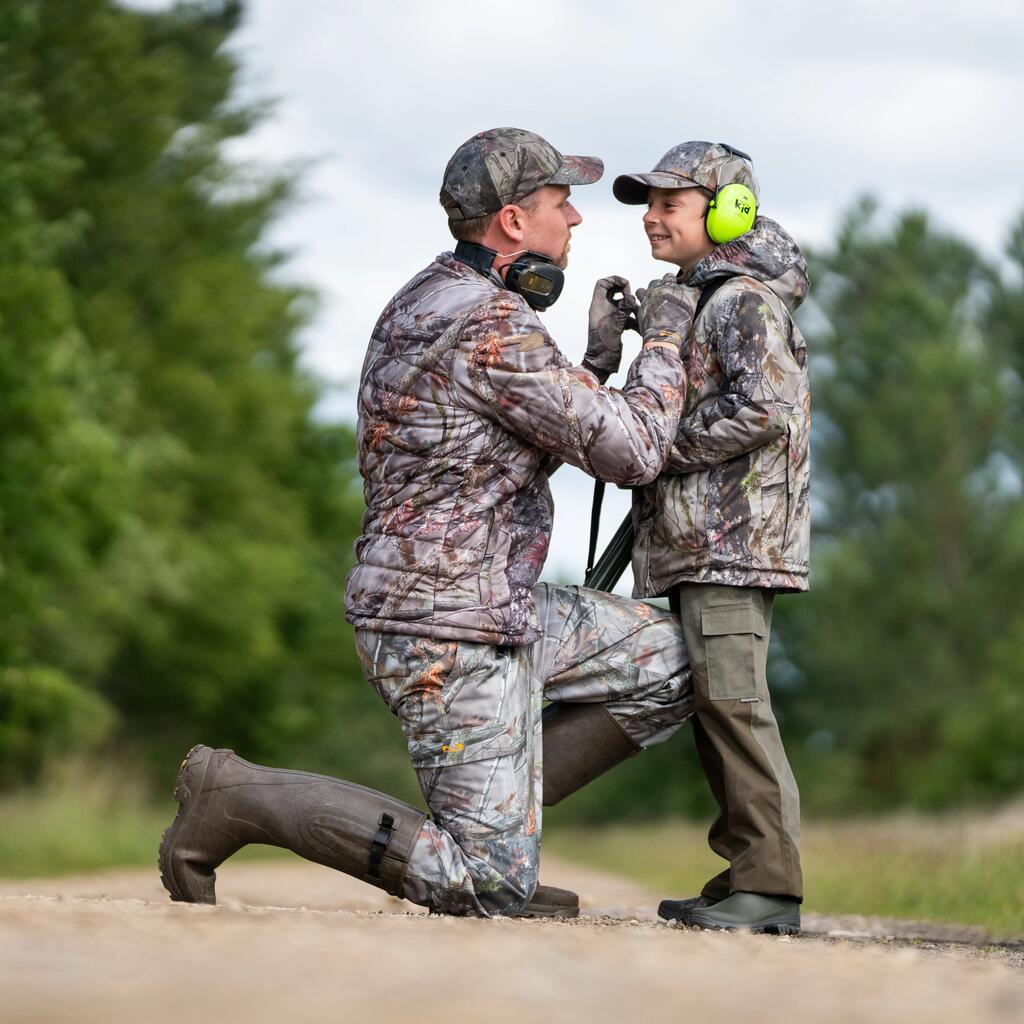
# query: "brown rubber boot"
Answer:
x=581 y=742
x=546 y=901
x=549 y=901
x=226 y=803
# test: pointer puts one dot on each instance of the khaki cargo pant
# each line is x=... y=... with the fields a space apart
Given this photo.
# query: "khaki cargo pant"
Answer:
x=758 y=826
x=471 y=714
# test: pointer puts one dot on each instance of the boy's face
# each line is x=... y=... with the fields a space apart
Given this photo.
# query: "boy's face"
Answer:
x=674 y=223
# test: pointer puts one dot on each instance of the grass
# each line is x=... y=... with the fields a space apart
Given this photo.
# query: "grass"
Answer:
x=962 y=870
x=84 y=818
x=959 y=868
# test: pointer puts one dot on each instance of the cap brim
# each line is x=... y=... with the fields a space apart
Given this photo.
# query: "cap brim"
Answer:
x=578 y=170
x=632 y=189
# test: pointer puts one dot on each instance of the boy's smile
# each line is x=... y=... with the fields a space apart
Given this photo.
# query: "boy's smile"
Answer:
x=674 y=223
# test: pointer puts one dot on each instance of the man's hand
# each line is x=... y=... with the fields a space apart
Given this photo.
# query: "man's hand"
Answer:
x=609 y=317
x=666 y=309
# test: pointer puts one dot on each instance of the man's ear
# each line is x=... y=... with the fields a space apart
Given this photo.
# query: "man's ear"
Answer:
x=511 y=221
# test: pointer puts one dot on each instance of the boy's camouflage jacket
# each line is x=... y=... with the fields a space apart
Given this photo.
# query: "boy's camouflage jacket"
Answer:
x=733 y=505
x=466 y=405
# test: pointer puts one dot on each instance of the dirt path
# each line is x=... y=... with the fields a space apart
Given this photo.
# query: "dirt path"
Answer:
x=294 y=943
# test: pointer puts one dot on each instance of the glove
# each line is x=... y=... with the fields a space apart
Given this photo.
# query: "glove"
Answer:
x=609 y=317
x=665 y=311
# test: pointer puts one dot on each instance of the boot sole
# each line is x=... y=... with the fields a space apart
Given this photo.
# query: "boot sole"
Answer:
x=564 y=913
x=190 y=780
x=768 y=928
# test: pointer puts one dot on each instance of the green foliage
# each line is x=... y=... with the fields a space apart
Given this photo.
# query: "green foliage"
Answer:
x=902 y=663
x=44 y=716
x=61 y=467
x=176 y=523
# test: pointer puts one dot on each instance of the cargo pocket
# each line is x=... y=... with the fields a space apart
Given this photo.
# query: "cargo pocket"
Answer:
x=735 y=650
x=461 y=746
x=473 y=780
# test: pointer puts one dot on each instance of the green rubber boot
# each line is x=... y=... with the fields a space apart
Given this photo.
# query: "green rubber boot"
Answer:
x=748 y=911
x=676 y=910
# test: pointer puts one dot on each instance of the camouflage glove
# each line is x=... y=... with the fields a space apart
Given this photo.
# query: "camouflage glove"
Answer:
x=666 y=309
x=609 y=317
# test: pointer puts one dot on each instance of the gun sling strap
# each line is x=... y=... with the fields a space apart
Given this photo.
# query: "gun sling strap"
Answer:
x=608 y=570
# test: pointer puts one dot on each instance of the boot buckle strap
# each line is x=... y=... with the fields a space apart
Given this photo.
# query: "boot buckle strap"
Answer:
x=385 y=830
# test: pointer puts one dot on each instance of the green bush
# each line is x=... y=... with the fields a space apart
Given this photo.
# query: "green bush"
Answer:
x=44 y=717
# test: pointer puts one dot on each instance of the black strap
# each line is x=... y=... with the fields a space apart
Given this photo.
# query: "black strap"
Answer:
x=705 y=295
x=385 y=830
x=608 y=569
x=595 y=526
x=616 y=556
x=479 y=257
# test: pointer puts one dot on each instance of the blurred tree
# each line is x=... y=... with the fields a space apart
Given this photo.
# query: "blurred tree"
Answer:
x=901 y=663
x=60 y=460
x=210 y=515
x=176 y=523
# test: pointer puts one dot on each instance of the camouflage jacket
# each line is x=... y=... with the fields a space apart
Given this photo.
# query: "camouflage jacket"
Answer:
x=466 y=405
x=733 y=505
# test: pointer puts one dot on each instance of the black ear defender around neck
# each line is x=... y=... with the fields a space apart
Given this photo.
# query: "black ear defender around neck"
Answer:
x=536 y=278
x=532 y=275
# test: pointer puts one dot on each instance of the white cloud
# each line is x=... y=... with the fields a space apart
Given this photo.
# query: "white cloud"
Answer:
x=916 y=102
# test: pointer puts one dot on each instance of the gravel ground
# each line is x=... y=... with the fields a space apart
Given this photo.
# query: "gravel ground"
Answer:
x=292 y=940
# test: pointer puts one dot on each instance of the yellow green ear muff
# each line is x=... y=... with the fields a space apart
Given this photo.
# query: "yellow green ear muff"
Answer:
x=731 y=213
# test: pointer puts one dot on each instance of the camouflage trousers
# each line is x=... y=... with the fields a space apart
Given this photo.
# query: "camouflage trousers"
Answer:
x=471 y=714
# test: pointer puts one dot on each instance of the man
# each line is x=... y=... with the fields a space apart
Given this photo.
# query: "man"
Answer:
x=466 y=406
x=727 y=525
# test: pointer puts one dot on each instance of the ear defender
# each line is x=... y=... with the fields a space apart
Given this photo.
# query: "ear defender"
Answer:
x=731 y=213
x=536 y=278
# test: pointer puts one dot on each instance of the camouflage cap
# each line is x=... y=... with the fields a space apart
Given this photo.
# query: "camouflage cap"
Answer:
x=504 y=165
x=709 y=165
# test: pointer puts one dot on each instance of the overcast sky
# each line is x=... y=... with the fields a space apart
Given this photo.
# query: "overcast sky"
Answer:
x=917 y=103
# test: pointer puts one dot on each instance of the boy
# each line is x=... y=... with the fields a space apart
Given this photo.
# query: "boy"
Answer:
x=726 y=526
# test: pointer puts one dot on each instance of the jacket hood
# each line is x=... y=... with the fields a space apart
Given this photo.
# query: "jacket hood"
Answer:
x=766 y=253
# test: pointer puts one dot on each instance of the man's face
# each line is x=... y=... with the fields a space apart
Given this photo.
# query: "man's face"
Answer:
x=547 y=222
x=674 y=223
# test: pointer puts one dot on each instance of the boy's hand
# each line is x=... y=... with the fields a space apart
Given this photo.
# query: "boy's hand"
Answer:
x=609 y=317
x=666 y=309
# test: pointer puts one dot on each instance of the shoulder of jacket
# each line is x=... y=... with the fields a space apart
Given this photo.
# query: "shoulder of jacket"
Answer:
x=736 y=287
x=508 y=309
x=727 y=299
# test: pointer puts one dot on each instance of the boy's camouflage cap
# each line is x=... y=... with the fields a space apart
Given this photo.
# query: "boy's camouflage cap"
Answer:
x=504 y=165
x=709 y=165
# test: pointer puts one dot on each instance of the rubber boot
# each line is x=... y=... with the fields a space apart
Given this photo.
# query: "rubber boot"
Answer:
x=546 y=901
x=226 y=803
x=549 y=901
x=748 y=911
x=581 y=742
x=676 y=910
